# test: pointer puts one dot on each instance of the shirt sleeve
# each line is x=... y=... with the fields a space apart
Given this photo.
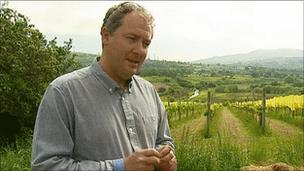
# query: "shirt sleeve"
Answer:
x=52 y=147
x=118 y=165
x=163 y=134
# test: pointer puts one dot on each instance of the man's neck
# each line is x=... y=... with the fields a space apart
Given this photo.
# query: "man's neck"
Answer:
x=123 y=84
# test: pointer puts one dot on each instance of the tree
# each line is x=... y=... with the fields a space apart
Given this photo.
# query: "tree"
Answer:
x=200 y=85
x=211 y=85
x=28 y=62
x=232 y=88
x=289 y=79
x=220 y=89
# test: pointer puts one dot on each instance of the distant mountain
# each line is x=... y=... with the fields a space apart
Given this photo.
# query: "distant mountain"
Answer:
x=273 y=58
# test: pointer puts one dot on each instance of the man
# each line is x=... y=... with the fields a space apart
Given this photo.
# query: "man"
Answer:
x=104 y=117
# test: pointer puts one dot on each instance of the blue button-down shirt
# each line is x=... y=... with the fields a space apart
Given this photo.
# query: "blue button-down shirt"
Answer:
x=86 y=122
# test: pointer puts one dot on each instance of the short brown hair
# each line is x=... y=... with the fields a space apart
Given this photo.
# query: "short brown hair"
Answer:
x=115 y=14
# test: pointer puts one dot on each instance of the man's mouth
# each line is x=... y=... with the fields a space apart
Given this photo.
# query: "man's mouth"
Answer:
x=133 y=61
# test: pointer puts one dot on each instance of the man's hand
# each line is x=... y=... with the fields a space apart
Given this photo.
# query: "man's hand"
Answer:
x=146 y=159
x=167 y=159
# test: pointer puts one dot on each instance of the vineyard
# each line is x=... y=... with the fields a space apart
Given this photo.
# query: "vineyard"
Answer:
x=288 y=109
x=236 y=138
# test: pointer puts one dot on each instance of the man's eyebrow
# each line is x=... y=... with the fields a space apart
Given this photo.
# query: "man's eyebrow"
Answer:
x=137 y=36
x=132 y=34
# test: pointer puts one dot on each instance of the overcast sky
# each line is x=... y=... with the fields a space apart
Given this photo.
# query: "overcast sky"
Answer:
x=184 y=30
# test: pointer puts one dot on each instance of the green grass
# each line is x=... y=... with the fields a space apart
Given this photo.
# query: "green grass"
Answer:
x=290 y=150
x=19 y=158
x=266 y=150
x=214 y=125
x=282 y=115
x=208 y=154
x=218 y=153
x=226 y=153
x=251 y=124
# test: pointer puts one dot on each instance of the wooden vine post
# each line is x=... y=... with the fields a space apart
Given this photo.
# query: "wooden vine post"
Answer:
x=262 y=121
x=208 y=114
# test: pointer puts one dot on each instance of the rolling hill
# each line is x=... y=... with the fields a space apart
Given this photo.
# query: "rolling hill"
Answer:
x=272 y=58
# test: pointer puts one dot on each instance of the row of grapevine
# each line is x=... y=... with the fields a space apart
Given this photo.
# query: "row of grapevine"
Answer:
x=288 y=108
x=181 y=109
x=294 y=104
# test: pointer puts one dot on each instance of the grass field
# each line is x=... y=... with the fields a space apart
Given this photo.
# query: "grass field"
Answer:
x=19 y=158
x=236 y=142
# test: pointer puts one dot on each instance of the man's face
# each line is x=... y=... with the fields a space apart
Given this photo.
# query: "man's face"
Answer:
x=126 y=48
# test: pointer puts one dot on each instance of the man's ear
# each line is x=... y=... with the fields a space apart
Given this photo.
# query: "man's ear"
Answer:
x=105 y=35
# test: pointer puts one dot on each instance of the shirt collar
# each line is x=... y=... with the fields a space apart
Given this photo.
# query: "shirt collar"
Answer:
x=107 y=81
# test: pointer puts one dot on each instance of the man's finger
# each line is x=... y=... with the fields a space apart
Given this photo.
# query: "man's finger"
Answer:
x=165 y=151
x=150 y=152
x=152 y=160
x=168 y=157
x=173 y=163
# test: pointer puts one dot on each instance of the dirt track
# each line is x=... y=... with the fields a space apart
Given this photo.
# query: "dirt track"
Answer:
x=281 y=128
x=231 y=126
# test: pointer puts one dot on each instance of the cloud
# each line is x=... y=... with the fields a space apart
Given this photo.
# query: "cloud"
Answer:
x=184 y=30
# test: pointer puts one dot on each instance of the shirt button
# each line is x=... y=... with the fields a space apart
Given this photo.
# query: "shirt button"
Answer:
x=130 y=130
